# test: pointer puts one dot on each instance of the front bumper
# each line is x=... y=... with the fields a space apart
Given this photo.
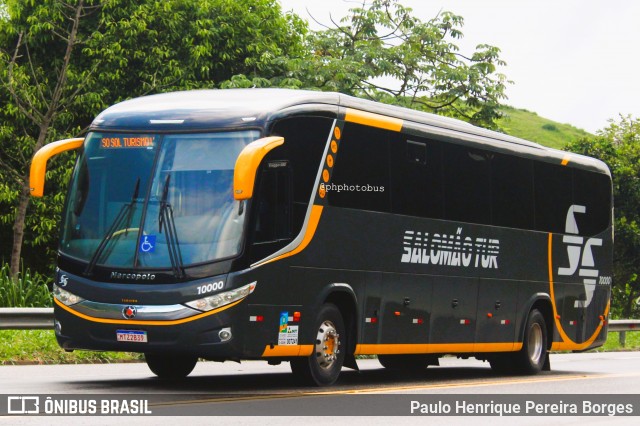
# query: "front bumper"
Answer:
x=197 y=335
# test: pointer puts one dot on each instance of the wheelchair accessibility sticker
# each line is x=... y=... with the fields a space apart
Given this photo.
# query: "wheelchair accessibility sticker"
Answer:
x=148 y=244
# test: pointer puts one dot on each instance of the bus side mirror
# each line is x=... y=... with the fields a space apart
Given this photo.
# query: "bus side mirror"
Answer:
x=39 y=162
x=244 y=174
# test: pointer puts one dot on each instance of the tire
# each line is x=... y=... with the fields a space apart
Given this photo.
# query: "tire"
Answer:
x=531 y=359
x=323 y=366
x=405 y=363
x=171 y=366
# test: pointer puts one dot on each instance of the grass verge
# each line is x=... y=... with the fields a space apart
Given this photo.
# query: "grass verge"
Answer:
x=40 y=347
x=613 y=343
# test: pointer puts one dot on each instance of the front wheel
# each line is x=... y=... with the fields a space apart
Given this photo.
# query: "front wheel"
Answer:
x=323 y=366
x=171 y=366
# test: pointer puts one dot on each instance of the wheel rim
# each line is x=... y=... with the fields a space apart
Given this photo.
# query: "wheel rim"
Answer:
x=327 y=345
x=535 y=343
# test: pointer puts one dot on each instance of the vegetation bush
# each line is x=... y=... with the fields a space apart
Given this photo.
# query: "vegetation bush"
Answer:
x=28 y=290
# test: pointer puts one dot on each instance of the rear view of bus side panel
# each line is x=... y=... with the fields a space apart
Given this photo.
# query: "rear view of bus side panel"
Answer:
x=580 y=262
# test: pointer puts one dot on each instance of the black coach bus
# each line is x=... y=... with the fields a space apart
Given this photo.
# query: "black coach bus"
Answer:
x=313 y=227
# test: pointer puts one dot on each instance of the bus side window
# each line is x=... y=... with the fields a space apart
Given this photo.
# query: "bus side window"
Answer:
x=416 y=152
x=592 y=190
x=512 y=191
x=553 y=196
x=467 y=179
x=273 y=204
x=305 y=141
x=416 y=177
x=361 y=174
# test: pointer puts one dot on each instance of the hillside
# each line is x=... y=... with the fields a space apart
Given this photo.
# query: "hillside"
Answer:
x=528 y=125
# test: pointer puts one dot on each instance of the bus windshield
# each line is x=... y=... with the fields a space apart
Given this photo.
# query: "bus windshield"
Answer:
x=130 y=192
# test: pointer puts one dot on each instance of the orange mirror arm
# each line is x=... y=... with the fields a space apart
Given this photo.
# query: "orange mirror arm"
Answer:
x=244 y=174
x=39 y=162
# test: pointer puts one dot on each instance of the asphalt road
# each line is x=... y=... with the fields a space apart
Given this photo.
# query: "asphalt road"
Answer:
x=252 y=388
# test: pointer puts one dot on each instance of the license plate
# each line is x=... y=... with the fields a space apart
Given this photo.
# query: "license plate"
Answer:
x=131 y=336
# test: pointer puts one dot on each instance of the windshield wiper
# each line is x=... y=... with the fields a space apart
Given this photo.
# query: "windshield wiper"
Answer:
x=123 y=217
x=165 y=217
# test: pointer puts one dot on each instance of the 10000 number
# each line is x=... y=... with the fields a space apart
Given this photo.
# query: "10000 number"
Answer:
x=209 y=287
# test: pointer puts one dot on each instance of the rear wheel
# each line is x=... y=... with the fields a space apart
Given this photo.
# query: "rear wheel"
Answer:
x=171 y=366
x=531 y=358
x=323 y=366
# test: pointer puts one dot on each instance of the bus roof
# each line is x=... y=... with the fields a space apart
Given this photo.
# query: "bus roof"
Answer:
x=198 y=110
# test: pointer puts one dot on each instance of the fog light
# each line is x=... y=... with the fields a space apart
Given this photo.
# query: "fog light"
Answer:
x=225 y=334
x=57 y=327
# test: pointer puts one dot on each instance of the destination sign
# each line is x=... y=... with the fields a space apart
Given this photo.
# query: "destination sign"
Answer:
x=115 y=142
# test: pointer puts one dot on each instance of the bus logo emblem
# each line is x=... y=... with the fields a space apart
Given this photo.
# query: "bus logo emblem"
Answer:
x=580 y=256
x=129 y=312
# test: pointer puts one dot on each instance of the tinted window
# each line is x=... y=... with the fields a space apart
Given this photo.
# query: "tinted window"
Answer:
x=416 y=177
x=416 y=152
x=592 y=190
x=361 y=176
x=512 y=191
x=467 y=182
x=273 y=220
x=119 y=208
x=305 y=139
x=553 y=196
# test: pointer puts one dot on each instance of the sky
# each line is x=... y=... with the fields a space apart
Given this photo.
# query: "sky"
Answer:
x=572 y=61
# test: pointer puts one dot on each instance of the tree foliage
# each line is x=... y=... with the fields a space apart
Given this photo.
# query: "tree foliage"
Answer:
x=63 y=61
x=186 y=44
x=618 y=145
x=383 y=52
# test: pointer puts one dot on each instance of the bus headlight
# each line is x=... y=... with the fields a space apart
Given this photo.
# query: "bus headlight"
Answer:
x=65 y=297
x=221 y=299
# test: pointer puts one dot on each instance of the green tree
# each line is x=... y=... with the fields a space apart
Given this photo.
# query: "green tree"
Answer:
x=63 y=61
x=383 y=52
x=618 y=145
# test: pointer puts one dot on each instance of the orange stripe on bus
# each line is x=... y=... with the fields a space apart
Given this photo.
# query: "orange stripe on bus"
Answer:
x=314 y=219
x=139 y=322
x=373 y=120
x=435 y=348
x=567 y=343
x=287 y=350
